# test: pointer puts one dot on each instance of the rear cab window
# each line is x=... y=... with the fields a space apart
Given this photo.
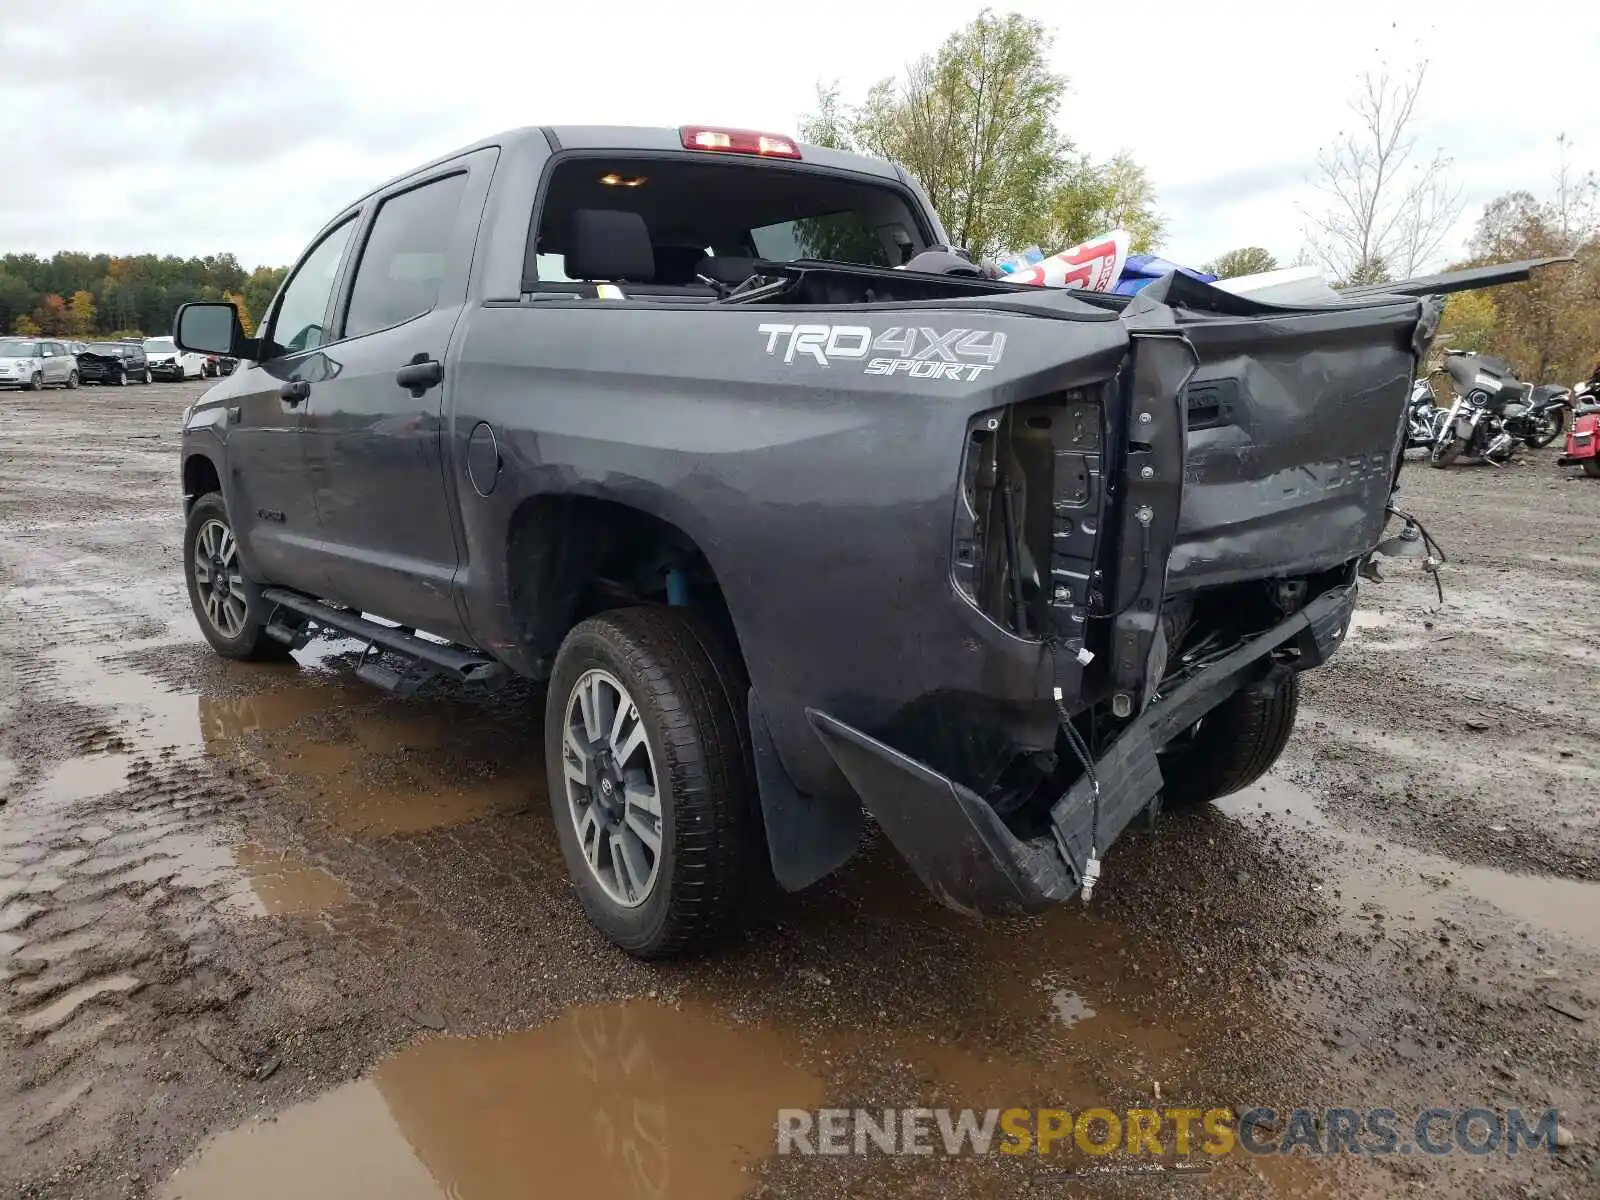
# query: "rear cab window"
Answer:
x=714 y=217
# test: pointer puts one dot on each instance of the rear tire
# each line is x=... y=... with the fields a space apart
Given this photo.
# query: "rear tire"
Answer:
x=1234 y=746
x=1556 y=429
x=72 y=382
x=147 y=378
x=1591 y=468
x=685 y=688
x=220 y=609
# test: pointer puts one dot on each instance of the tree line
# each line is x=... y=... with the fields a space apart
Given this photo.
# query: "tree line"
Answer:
x=86 y=296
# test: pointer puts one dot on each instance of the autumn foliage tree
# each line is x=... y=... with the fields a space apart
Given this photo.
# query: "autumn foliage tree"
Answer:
x=80 y=314
x=1548 y=326
x=245 y=319
x=51 y=318
x=1468 y=322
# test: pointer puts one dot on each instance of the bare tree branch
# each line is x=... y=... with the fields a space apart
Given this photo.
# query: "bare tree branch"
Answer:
x=1386 y=209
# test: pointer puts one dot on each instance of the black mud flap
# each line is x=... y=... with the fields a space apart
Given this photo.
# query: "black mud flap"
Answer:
x=808 y=837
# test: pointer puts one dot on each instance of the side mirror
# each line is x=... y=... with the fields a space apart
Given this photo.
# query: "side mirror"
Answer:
x=212 y=327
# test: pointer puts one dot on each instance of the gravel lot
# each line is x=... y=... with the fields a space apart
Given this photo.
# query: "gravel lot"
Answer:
x=300 y=938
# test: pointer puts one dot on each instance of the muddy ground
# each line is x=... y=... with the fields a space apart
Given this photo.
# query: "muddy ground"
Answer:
x=299 y=938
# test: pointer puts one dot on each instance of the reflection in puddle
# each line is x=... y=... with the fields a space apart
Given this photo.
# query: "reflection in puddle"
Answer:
x=226 y=719
x=150 y=716
x=630 y=1102
x=1427 y=884
x=1069 y=1008
x=283 y=886
x=83 y=778
x=362 y=791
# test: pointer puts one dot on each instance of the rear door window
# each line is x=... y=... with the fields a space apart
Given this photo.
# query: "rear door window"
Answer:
x=404 y=260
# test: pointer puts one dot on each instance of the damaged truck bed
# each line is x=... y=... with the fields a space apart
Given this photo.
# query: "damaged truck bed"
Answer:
x=792 y=531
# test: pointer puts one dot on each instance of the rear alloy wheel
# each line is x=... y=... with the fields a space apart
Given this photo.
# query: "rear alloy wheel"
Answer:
x=1232 y=747
x=72 y=382
x=651 y=780
x=216 y=586
x=147 y=378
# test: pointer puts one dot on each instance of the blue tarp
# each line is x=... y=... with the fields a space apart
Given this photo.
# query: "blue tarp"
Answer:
x=1143 y=269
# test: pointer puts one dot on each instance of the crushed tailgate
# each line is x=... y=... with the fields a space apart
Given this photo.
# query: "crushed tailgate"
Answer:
x=1294 y=424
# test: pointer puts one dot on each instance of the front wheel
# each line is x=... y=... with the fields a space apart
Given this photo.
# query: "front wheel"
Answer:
x=1551 y=426
x=1445 y=453
x=216 y=586
x=652 y=786
x=72 y=382
x=122 y=379
x=36 y=384
x=1233 y=746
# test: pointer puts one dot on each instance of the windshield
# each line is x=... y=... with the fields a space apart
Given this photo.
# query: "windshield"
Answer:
x=19 y=349
x=160 y=345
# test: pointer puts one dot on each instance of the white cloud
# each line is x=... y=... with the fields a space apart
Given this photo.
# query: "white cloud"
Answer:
x=243 y=132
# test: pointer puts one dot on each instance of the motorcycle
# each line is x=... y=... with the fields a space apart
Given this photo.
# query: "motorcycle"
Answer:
x=1552 y=411
x=1583 y=439
x=1493 y=412
x=1423 y=414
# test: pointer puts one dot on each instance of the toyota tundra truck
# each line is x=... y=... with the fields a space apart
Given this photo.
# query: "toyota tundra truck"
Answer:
x=794 y=532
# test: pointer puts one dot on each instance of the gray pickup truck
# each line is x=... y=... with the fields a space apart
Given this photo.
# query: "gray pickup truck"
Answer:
x=791 y=531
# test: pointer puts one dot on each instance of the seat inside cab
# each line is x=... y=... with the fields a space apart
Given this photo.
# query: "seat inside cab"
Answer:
x=659 y=228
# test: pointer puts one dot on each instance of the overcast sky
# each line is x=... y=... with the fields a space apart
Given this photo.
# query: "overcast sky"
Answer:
x=190 y=127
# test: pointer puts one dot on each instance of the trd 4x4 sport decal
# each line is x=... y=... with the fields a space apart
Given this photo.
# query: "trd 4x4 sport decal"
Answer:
x=919 y=352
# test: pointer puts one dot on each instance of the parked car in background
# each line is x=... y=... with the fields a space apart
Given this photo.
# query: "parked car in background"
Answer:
x=33 y=363
x=218 y=365
x=166 y=361
x=114 y=363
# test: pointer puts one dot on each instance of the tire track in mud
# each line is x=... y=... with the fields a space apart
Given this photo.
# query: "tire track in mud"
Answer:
x=143 y=853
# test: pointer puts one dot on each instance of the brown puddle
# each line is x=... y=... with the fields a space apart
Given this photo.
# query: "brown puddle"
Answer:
x=1423 y=884
x=628 y=1102
x=363 y=795
x=392 y=778
x=282 y=886
x=149 y=715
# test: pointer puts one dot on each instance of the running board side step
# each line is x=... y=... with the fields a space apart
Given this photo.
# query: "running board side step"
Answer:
x=425 y=658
